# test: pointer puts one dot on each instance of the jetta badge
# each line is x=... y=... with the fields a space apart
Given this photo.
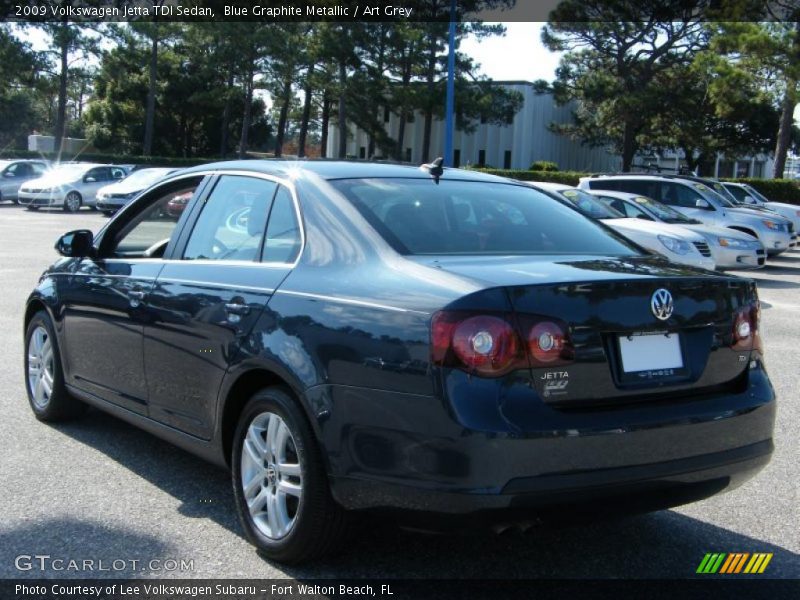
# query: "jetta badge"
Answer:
x=661 y=304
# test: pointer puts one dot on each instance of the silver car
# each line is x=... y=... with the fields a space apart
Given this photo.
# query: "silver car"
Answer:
x=111 y=198
x=698 y=201
x=13 y=173
x=69 y=185
x=730 y=249
x=749 y=196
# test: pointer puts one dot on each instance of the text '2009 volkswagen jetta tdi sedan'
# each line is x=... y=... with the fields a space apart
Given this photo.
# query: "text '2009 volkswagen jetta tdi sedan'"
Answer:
x=350 y=336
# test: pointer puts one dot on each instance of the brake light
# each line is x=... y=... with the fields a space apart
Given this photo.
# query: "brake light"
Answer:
x=490 y=346
x=746 y=334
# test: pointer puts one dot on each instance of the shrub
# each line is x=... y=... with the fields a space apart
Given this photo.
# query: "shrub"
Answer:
x=543 y=165
x=777 y=190
x=565 y=177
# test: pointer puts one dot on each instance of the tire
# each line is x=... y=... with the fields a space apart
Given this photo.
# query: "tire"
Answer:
x=307 y=525
x=15 y=201
x=72 y=202
x=41 y=346
x=32 y=207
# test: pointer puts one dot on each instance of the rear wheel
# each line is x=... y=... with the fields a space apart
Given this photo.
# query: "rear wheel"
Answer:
x=72 y=202
x=32 y=207
x=279 y=481
x=44 y=378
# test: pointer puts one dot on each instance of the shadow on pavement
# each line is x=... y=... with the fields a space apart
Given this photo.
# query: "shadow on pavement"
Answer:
x=68 y=539
x=666 y=544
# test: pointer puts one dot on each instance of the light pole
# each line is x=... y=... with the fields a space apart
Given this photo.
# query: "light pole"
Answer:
x=449 y=117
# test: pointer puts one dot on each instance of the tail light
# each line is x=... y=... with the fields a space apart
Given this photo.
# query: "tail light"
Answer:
x=491 y=346
x=746 y=334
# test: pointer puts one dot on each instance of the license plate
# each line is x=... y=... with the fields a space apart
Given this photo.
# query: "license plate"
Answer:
x=650 y=352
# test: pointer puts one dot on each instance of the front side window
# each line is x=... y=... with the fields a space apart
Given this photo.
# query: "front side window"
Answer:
x=417 y=216
x=98 y=174
x=149 y=232
x=232 y=222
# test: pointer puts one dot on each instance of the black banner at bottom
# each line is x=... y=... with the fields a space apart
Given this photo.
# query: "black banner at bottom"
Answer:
x=393 y=589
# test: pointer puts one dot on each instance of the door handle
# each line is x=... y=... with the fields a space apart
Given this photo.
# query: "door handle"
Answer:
x=237 y=308
x=135 y=297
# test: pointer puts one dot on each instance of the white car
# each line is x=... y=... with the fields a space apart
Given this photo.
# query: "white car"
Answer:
x=13 y=173
x=675 y=243
x=747 y=194
x=730 y=249
x=69 y=185
x=111 y=198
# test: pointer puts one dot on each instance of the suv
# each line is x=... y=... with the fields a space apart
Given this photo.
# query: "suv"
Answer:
x=13 y=173
x=697 y=200
x=69 y=185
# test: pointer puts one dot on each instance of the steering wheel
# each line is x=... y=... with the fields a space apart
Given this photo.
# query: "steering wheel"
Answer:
x=157 y=249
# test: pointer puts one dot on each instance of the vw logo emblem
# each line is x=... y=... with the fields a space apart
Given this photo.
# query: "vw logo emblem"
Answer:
x=661 y=304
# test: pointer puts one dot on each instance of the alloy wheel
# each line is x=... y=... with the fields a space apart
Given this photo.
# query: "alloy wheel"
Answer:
x=271 y=475
x=40 y=367
x=72 y=201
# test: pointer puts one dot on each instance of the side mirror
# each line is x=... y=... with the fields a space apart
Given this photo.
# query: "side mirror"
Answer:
x=645 y=217
x=701 y=203
x=750 y=200
x=76 y=244
x=89 y=179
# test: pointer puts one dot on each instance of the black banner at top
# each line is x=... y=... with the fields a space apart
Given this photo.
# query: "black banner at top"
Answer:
x=97 y=11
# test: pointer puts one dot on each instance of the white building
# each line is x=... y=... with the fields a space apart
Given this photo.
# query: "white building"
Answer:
x=513 y=146
x=527 y=139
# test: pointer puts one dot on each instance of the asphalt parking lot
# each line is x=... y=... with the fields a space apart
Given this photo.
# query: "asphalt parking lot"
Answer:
x=101 y=489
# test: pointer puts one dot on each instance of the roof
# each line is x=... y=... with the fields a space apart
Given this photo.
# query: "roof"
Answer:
x=341 y=169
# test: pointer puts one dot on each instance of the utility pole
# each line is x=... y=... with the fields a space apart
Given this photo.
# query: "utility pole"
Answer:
x=449 y=121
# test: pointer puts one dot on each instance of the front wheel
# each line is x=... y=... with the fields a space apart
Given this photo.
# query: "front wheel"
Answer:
x=44 y=378
x=279 y=481
x=72 y=202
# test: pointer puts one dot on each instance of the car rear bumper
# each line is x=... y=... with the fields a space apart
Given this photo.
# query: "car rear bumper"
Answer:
x=636 y=456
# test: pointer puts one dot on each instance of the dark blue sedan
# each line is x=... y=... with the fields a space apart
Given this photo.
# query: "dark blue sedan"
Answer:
x=349 y=336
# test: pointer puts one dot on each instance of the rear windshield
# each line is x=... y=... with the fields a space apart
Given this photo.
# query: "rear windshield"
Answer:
x=417 y=216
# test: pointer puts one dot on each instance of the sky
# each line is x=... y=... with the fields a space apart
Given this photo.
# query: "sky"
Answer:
x=519 y=55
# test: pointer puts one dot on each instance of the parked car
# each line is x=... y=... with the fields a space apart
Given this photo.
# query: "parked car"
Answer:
x=748 y=195
x=374 y=336
x=730 y=249
x=698 y=201
x=69 y=185
x=177 y=204
x=671 y=241
x=111 y=198
x=13 y=173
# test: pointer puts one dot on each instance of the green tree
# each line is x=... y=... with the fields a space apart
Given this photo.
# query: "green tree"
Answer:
x=766 y=54
x=614 y=53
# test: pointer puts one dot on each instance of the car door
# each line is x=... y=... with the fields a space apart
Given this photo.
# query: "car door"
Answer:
x=93 y=180
x=13 y=176
x=103 y=299
x=688 y=201
x=208 y=297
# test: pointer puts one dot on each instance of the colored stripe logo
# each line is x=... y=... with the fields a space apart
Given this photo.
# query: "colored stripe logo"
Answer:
x=735 y=562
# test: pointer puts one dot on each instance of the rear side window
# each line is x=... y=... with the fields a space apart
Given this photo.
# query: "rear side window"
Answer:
x=232 y=222
x=283 y=231
x=417 y=216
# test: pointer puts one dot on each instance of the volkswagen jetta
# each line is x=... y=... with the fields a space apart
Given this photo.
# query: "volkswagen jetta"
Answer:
x=350 y=336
